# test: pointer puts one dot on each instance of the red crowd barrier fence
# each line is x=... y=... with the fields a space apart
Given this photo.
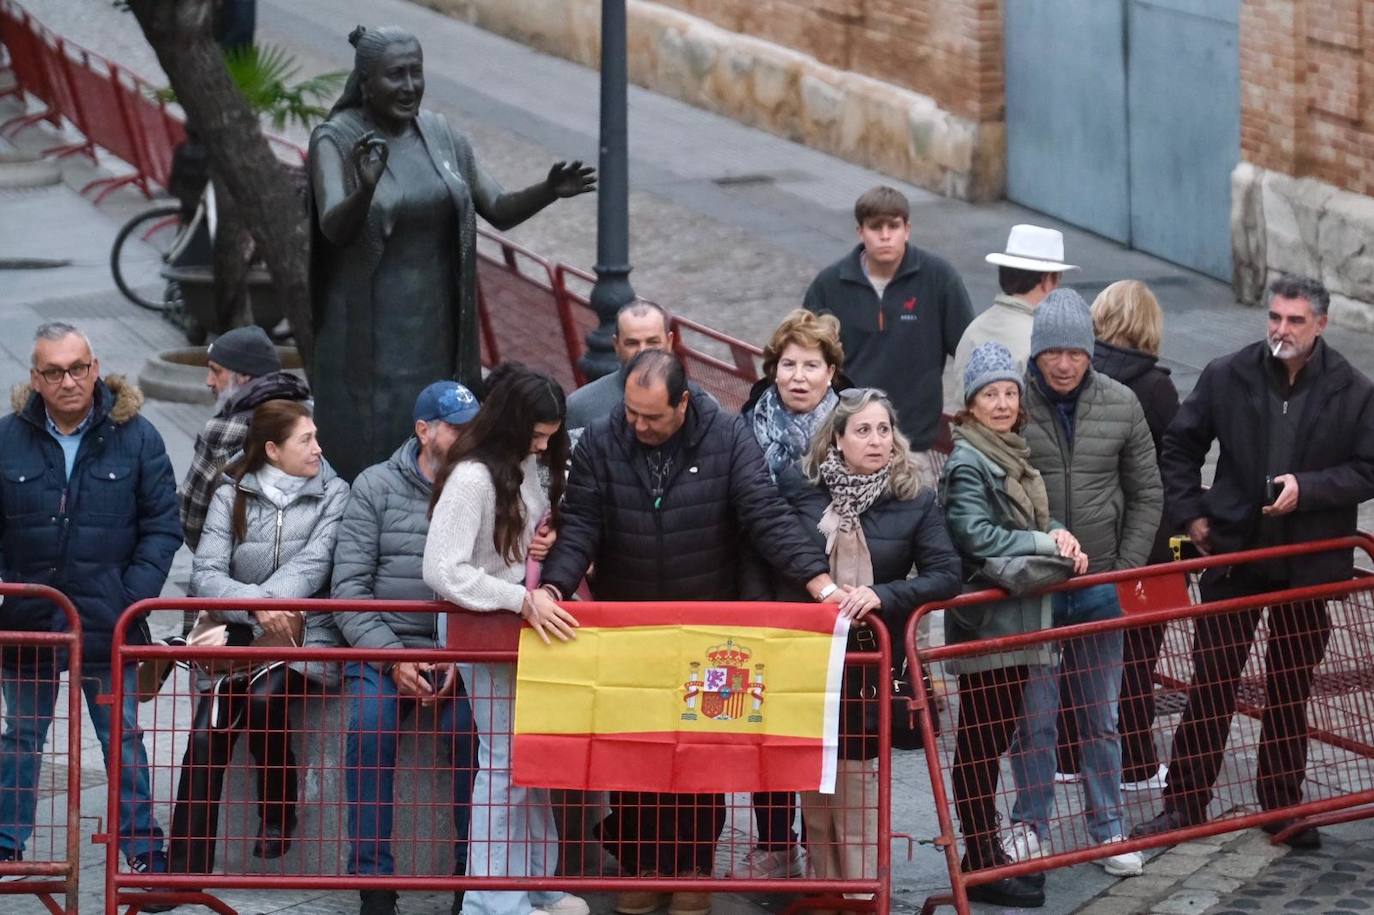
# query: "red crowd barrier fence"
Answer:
x=40 y=785
x=1259 y=701
x=324 y=750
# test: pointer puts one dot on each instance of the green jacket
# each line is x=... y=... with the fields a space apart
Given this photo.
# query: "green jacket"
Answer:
x=984 y=523
x=1104 y=486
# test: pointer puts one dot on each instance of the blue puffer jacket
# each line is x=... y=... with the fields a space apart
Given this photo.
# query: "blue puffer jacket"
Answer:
x=106 y=537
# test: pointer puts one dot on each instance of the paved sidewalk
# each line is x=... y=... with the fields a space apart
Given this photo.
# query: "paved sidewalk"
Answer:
x=729 y=226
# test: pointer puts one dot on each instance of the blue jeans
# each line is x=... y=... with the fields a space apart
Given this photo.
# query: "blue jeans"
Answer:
x=376 y=710
x=30 y=697
x=1091 y=668
x=513 y=834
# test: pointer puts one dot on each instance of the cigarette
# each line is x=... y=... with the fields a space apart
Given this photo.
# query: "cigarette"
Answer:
x=1278 y=345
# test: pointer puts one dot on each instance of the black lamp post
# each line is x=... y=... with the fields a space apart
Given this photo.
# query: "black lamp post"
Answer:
x=612 y=289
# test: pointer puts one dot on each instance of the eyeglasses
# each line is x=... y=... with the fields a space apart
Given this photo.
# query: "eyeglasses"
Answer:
x=55 y=375
x=854 y=395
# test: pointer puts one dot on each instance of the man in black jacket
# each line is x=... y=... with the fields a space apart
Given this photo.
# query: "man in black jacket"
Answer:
x=1295 y=422
x=902 y=311
x=658 y=498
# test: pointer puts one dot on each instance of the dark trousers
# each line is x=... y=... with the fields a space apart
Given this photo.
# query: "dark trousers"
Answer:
x=1136 y=712
x=263 y=715
x=989 y=707
x=774 y=813
x=666 y=834
x=1221 y=644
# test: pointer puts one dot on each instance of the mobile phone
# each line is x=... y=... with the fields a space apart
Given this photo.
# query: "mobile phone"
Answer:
x=434 y=677
x=1270 y=491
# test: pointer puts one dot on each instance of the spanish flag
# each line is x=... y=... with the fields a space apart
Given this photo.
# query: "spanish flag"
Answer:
x=683 y=697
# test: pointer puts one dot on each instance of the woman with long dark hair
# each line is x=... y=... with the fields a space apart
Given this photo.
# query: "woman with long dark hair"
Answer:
x=270 y=533
x=486 y=511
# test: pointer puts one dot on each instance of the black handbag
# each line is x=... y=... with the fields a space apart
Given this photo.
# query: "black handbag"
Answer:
x=1022 y=575
x=906 y=727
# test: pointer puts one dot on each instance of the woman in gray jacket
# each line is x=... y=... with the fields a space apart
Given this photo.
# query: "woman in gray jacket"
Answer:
x=995 y=505
x=269 y=533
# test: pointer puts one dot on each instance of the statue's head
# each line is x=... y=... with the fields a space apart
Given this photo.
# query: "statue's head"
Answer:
x=388 y=77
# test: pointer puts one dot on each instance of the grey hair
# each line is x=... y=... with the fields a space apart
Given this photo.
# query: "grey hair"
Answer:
x=639 y=308
x=1295 y=286
x=904 y=479
x=53 y=331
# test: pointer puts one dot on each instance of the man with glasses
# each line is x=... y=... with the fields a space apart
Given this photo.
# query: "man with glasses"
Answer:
x=88 y=506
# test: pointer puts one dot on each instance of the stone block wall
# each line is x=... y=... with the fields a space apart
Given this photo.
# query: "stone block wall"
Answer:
x=1301 y=197
x=912 y=88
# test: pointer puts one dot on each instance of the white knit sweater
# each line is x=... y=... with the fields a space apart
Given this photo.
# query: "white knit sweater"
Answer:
x=462 y=564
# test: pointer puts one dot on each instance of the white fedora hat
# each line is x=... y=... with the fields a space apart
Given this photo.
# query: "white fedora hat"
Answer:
x=1033 y=248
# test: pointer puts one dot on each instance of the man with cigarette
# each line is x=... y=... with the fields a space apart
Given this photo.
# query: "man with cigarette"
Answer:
x=1295 y=424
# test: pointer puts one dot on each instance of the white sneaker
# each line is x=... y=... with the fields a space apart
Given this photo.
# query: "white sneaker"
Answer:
x=568 y=905
x=1022 y=843
x=761 y=863
x=1155 y=782
x=1126 y=864
x=1067 y=778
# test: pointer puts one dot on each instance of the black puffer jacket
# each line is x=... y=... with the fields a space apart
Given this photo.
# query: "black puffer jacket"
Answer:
x=1152 y=386
x=686 y=547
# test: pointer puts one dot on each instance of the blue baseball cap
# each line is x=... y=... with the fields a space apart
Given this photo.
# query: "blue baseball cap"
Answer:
x=448 y=401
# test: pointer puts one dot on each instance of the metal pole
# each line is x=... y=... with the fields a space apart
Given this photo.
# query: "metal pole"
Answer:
x=612 y=289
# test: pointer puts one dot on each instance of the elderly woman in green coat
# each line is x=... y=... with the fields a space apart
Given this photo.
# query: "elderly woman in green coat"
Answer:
x=996 y=506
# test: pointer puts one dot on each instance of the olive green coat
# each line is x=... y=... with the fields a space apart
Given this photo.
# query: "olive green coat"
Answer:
x=985 y=523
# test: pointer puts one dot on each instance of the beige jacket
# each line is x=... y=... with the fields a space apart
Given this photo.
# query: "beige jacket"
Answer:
x=1007 y=322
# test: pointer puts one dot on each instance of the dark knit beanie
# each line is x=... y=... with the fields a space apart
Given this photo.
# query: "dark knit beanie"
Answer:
x=247 y=351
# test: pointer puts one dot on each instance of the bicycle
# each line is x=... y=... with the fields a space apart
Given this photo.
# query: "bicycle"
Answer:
x=155 y=240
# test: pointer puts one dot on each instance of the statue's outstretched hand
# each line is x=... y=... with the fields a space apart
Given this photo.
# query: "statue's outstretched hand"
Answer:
x=369 y=157
x=568 y=179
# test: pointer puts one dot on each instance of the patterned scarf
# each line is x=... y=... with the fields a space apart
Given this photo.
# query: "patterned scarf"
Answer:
x=783 y=435
x=851 y=494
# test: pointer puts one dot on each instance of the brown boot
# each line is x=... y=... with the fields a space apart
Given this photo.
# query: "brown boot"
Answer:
x=640 y=902
x=690 y=904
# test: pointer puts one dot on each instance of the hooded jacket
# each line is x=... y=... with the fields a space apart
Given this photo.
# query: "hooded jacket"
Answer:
x=899 y=342
x=285 y=552
x=106 y=536
x=1333 y=461
x=222 y=438
x=380 y=554
x=685 y=546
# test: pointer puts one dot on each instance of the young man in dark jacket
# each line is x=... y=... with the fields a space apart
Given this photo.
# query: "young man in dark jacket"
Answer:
x=659 y=496
x=1295 y=422
x=902 y=311
x=89 y=505
x=380 y=556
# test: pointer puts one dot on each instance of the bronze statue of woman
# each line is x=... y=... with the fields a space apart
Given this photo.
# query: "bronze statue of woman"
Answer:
x=395 y=192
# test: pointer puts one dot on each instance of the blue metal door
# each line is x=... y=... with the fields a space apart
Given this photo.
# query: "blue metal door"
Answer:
x=1067 y=149
x=1183 y=98
x=1123 y=117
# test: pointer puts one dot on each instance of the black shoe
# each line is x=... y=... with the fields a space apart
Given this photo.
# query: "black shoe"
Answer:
x=151 y=862
x=378 y=902
x=1168 y=821
x=273 y=840
x=11 y=856
x=1304 y=839
x=1014 y=892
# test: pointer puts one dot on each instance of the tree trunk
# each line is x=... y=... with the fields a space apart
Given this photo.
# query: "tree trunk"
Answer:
x=232 y=252
x=181 y=34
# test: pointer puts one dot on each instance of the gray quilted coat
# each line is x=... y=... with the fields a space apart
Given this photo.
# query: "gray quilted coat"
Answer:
x=1104 y=487
x=380 y=554
x=285 y=553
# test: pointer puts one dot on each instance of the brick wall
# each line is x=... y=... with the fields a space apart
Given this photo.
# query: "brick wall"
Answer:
x=949 y=50
x=1307 y=89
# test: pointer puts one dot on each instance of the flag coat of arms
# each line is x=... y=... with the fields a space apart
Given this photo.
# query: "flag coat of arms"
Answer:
x=683 y=697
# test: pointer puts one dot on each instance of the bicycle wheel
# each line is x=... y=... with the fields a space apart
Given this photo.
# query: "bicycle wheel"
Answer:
x=140 y=252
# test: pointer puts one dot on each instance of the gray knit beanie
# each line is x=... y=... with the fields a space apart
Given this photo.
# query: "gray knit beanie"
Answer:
x=247 y=351
x=1062 y=321
x=990 y=362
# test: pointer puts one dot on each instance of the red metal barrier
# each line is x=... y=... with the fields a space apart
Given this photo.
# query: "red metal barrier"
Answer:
x=1299 y=672
x=521 y=311
x=320 y=856
x=31 y=667
x=21 y=37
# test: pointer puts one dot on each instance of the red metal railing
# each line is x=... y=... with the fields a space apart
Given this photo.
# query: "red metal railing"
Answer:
x=1325 y=691
x=31 y=667
x=320 y=853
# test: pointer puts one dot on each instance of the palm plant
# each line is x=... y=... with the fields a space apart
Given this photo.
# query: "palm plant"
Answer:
x=263 y=75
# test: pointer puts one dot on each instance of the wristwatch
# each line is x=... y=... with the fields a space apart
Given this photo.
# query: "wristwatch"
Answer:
x=827 y=591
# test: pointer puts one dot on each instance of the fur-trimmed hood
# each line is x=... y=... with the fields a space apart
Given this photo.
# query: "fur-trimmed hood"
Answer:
x=120 y=400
